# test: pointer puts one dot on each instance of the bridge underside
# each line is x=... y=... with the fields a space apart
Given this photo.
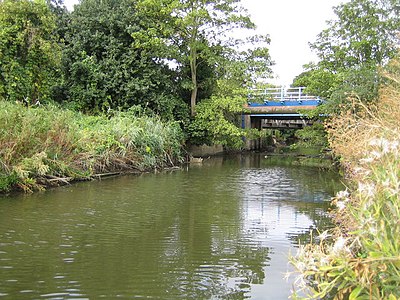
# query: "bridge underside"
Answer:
x=284 y=124
x=279 y=115
x=276 y=115
x=275 y=122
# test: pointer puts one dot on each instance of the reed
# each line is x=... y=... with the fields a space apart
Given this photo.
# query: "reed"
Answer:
x=360 y=258
x=47 y=144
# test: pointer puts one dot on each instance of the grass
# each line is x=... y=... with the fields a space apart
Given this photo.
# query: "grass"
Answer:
x=42 y=145
x=360 y=258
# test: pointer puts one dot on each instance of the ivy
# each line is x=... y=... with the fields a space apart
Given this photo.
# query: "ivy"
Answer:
x=29 y=53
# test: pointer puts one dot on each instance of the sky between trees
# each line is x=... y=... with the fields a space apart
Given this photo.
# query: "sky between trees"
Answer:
x=291 y=24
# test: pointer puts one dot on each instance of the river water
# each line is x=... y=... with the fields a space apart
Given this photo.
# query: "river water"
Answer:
x=219 y=230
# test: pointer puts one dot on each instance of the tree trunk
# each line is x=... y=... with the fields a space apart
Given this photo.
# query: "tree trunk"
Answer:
x=193 y=71
x=193 y=98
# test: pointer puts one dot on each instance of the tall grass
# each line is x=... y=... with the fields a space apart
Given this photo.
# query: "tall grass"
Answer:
x=48 y=144
x=360 y=259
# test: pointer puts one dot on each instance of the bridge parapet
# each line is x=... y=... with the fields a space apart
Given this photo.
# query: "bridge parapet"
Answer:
x=279 y=94
x=281 y=100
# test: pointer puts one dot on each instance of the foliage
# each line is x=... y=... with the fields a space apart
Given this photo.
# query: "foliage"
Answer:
x=247 y=68
x=364 y=36
x=105 y=69
x=45 y=144
x=120 y=54
x=196 y=38
x=217 y=119
x=365 y=33
x=62 y=18
x=8 y=181
x=214 y=122
x=29 y=53
x=361 y=258
x=313 y=136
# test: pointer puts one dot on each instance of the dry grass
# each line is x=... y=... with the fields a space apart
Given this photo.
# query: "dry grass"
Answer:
x=360 y=259
x=351 y=132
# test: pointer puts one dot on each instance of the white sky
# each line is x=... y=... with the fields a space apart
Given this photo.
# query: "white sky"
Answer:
x=291 y=24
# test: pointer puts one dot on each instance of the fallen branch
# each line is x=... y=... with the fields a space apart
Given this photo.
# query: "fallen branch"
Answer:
x=66 y=180
x=106 y=175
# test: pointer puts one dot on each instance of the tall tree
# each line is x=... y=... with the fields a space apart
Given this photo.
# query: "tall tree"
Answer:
x=364 y=37
x=365 y=32
x=29 y=53
x=105 y=69
x=197 y=32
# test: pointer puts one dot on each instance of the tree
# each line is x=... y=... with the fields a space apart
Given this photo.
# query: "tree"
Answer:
x=365 y=32
x=196 y=33
x=106 y=68
x=62 y=17
x=217 y=118
x=29 y=53
x=215 y=122
x=363 y=38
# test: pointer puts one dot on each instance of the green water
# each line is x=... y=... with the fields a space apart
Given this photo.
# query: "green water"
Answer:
x=220 y=230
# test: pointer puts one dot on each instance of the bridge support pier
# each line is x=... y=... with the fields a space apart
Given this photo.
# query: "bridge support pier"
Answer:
x=247 y=123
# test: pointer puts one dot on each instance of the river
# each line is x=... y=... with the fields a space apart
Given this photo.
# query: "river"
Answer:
x=222 y=229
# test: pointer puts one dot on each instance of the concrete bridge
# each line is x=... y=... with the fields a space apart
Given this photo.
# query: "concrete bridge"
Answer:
x=277 y=108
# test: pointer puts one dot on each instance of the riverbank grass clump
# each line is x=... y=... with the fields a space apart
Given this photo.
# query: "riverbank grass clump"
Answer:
x=360 y=259
x=44 y=145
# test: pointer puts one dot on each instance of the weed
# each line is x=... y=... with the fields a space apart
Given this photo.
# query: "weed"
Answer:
x=361 y=257
x=42 y=143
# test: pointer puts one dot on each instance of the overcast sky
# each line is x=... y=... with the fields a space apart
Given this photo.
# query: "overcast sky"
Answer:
x=291 y=24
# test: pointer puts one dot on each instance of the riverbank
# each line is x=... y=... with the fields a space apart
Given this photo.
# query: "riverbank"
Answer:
x=47 y=145
x=360 y=259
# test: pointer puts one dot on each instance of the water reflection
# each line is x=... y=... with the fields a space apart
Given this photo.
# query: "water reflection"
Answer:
x=220 y=230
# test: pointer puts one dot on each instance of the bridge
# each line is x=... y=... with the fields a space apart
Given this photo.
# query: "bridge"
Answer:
x=277 y=108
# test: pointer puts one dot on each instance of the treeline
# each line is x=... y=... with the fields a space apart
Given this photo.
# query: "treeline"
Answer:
x=164 y=56
x=119 y=85
x=168 y=56
x=353 y=51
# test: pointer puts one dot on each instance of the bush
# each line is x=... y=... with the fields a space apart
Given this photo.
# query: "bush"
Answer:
x=216 y=122
x=29 y=52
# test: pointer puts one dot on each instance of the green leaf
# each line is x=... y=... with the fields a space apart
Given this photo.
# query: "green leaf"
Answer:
x=355 y=293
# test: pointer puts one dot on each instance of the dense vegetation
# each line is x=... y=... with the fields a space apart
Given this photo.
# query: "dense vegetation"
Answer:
x=45 y=145
x=29 y=54
x=360 y=259
x=157 y=58
x=362 y=39
x=352 y=50
x=359 y=74
x=163 y=56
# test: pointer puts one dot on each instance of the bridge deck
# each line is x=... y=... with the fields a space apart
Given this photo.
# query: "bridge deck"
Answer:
x=280 y=101
x=285 y=107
